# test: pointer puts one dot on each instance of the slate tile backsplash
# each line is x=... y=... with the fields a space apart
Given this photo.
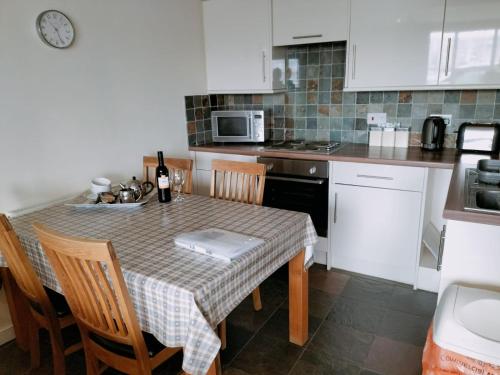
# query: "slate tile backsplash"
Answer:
x=315 y=107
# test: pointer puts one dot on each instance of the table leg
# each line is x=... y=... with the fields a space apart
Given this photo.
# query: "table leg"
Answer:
x=18 y=308
x=298 y=295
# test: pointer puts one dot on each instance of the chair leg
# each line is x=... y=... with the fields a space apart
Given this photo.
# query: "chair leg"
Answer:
x=91 y=364
x=257 y=303
x=34 y=343
x=58 y=358
x=223 y=335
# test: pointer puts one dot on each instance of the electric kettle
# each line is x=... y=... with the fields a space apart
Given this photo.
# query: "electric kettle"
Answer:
x=433 y=133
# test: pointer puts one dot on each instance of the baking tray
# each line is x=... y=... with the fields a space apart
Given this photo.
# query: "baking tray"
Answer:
x=86 y=200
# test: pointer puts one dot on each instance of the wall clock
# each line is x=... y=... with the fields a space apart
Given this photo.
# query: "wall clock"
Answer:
x=55 y=29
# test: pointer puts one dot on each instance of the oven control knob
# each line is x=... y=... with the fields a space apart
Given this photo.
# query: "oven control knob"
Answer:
x=269 y=167
x=312 y=170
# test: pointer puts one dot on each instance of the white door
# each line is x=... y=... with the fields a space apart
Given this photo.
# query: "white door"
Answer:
x=375 y=231
x=471 y=43
x=238 y=37
x=394 y=43
x=312 y=21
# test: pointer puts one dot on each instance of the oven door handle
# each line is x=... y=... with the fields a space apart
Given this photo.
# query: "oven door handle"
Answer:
x=291 y=179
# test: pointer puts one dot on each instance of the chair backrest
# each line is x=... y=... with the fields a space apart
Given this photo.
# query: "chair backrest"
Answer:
x=173 y=164
x=21 y=268
x=92 y=281
x=238 y=181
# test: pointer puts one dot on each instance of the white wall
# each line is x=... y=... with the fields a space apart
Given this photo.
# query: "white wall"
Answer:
x=96 y=108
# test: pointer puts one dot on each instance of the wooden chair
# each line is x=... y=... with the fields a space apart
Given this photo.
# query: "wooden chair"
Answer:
x=49 y=309
x=241 y=182
x=238 y=181
x=151 y=162
x=92 y=280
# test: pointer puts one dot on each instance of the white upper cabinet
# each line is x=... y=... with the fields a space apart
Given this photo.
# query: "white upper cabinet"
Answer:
x=309 y=21
x=471 y=43
x=394 y=43
x=238 y=47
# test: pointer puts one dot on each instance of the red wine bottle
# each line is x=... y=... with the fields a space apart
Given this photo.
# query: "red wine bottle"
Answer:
x=162 y=180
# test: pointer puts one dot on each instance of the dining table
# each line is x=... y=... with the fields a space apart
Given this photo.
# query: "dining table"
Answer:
x=179 y=295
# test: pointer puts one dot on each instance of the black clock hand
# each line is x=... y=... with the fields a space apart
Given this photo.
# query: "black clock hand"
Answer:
x=57 y=31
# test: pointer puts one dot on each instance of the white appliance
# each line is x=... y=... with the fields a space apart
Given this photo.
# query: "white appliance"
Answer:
x=467 y=321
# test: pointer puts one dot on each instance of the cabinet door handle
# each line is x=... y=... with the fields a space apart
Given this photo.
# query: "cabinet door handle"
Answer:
x=263 y=66
x=375 y=177
x=335 y=209
x=354 y=53
x=442 y=239
x=446 y=68
x=307 y=36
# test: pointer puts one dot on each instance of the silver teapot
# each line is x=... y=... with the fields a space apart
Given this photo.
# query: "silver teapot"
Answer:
x=140 y=188
x=126 y=195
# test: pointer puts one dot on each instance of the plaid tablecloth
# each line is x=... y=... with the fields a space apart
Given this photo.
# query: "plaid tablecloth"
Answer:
x=179 y=296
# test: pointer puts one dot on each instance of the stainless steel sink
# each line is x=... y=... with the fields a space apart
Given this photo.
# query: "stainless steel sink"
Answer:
x=488 y=199
x=480 y=197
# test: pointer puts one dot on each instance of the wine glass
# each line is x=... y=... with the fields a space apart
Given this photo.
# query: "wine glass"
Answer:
x=178 y=182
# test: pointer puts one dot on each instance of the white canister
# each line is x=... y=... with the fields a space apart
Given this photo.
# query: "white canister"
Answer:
x=402 y=138
x=375 y=136
x=388 y=137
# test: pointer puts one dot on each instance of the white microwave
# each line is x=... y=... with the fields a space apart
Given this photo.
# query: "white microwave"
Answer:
x=239 y=126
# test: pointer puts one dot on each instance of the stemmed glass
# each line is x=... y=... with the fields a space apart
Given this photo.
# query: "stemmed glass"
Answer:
x=178 y=182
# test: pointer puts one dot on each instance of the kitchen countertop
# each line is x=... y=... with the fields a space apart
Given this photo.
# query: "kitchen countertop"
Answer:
x=454 y=207
x=351 y=152
x=411 y=157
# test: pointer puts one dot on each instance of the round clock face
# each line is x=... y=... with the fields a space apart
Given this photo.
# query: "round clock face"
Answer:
x=55 y=29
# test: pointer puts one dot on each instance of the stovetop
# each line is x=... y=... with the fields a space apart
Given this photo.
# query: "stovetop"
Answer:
x=303 y=146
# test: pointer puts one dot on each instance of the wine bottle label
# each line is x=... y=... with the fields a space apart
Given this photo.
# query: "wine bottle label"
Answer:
x=163 y=182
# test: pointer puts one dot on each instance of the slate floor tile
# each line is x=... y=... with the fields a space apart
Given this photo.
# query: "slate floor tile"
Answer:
x=391 y=357
x=313 y=364
x=277 y=325
x=237 y=337
x=267 y=355
x=368 y=372
x=369 y=290
x=363 y=316
x=332 y=282
x=320 y=303
x=234 y=371
x=358 y=325
x=273 y=293
x=417 y=302
x=341 y=342
x=405 y=327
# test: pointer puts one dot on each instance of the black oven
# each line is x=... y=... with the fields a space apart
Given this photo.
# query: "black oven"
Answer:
x=298 y=185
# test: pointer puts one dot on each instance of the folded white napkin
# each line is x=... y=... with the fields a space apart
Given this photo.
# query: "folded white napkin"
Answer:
x=218 y=243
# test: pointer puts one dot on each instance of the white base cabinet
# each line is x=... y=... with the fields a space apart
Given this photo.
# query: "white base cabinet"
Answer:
x=428 y=273
x=375 y=224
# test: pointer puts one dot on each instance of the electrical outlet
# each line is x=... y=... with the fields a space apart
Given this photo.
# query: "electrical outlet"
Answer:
x=376 y=118
x=446 y=118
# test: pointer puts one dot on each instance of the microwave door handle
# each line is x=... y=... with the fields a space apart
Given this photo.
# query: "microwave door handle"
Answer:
x=249 y=127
